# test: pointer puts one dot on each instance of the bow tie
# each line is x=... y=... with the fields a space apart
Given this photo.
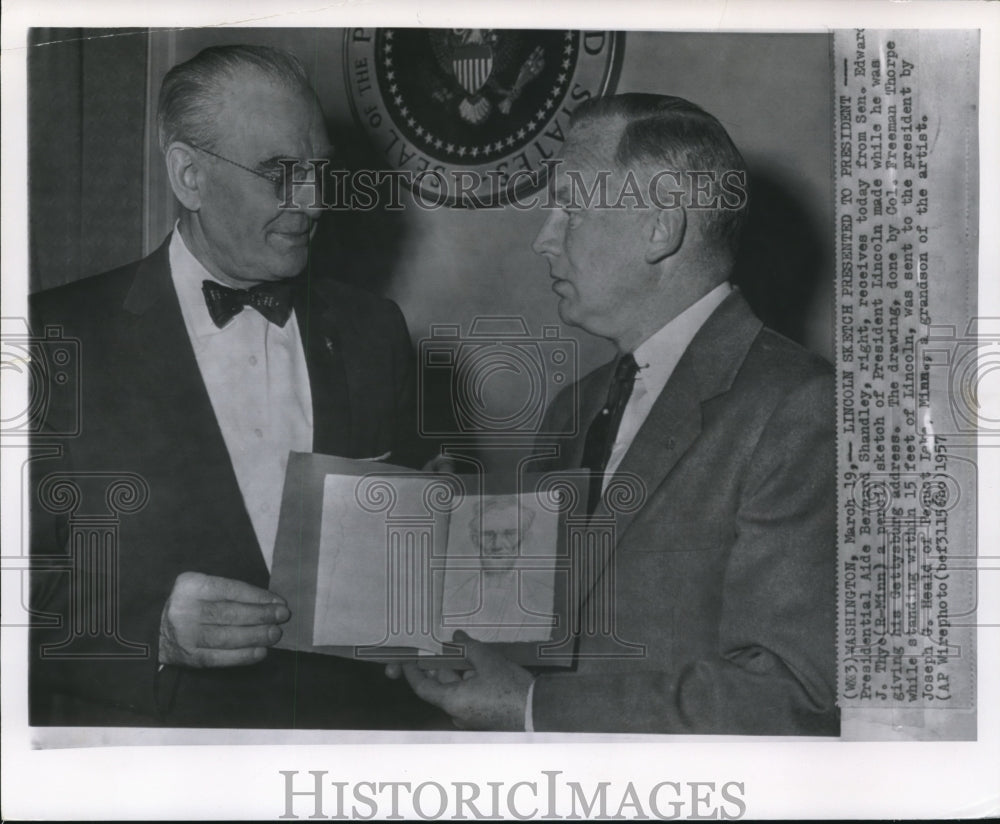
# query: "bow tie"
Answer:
x=272 y=300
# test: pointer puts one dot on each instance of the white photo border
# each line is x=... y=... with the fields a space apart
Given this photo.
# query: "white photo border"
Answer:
x=781 y=778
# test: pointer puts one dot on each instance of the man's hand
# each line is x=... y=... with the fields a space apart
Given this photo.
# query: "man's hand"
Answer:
x=492 y=696
x=218 y=622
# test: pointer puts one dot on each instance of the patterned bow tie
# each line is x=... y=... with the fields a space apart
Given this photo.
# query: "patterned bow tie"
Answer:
x=272 y=300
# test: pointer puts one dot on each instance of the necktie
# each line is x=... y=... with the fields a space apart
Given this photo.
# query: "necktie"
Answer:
x=272 y=300
x=604 y=428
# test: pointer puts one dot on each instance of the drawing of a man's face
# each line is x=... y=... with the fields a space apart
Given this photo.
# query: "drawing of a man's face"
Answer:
x=498 y=532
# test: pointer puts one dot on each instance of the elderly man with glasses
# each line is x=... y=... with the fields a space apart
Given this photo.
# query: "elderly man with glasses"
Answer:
x=202 y=366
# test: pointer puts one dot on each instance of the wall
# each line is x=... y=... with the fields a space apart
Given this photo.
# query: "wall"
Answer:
x=86 y=115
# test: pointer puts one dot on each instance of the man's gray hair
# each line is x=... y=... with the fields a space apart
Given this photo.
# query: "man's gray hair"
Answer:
x=673 y=133
x=525 y=515
x=192 y=93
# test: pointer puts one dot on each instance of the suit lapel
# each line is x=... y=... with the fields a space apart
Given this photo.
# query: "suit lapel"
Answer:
x=339 y=356
x=707 y=369
x=323 y=344
x=169 y=375
x=672 y=426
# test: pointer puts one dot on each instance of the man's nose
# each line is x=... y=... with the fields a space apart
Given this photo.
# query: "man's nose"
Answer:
x=310 y=187
x=314 y=213
x=549 y=237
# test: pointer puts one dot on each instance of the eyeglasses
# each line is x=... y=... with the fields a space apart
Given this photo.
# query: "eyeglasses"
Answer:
x=276 y=177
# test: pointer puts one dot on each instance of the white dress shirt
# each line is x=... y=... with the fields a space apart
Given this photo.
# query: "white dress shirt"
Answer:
x=657 y=357
x=256 y=377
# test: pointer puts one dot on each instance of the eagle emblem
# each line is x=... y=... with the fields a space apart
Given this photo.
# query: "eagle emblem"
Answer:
x=494 y=103
x=476 y=62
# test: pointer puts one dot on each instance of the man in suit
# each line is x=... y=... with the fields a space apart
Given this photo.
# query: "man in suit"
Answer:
x=202 y=366
x=722 y=583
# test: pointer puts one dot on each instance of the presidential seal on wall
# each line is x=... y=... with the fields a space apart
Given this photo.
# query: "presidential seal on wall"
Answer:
x=469 y=117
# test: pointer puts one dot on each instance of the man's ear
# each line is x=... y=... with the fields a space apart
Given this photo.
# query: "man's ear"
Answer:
x=666 y=234
x=185 y=175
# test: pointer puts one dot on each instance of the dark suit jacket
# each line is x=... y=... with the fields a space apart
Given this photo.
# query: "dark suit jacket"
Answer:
x=145 y=413
x=726 y=575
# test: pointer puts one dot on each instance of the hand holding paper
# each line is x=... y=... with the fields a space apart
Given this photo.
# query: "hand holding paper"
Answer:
x=218 y=622
x=379 y=564
x=491 y=696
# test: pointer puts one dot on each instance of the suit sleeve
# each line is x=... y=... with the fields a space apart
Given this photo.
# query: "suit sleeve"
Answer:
x=88 y=665
x=775 y=668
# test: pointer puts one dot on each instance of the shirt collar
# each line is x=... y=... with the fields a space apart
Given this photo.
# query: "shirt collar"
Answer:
x=658 y=355
x=188 y=273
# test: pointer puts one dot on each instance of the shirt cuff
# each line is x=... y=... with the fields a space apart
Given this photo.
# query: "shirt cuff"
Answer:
x=529 y=721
